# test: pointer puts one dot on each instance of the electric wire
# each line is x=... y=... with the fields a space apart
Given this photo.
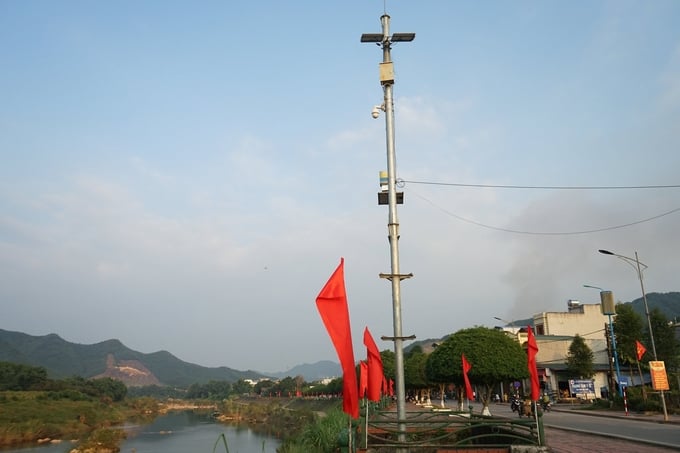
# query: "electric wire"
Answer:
x=543 y=233
x=502 y=186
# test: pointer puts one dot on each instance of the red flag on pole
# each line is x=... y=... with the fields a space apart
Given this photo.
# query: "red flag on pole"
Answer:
x=363 y=378
x=468 y=388
x=332 y=305
x=375 y=367
x=385 y=388
x=532 y=350
x=391 y=388
x=640 y=350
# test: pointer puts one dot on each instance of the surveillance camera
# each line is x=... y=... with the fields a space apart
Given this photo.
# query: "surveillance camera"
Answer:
x=375 y=113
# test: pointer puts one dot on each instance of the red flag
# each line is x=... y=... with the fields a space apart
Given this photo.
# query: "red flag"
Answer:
x=640 y=350
x=468 y=388
x=332 y=305
x=375 y=367
x=363 y=378
x=532 y=350
x=385 y=389
x=391 y=388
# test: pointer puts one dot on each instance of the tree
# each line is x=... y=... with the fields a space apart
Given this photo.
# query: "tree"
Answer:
x=241 y=387
x=263 y=387
x=15 y=376
x=111 y=388
x=580 y=359
x=667 y=347
x=415 y=378
x=627 y=330
x=494 y=357
x=388 y=361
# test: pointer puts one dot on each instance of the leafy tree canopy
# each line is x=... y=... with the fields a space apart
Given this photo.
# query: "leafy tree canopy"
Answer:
x=388 y=361
x=494 y=357
x=628 y=328
x=414 y=370
x=580 y=359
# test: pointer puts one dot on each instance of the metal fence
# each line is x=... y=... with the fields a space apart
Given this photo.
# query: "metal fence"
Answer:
x=424 y=431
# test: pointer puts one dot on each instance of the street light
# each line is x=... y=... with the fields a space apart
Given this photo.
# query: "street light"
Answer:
x=639 y=267
x=507 y=323
x=608 y=308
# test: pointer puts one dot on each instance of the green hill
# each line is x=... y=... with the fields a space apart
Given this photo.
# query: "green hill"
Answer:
x=63 y=359
x=667 y=303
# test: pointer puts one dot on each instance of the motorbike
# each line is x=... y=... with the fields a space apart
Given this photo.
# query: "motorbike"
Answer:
x=545 y=405
x=517 y=405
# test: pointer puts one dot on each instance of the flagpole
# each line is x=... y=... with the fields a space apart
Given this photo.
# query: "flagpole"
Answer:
x=349 y=434
x=366 y=430
x=642 y=381
x=538 y=431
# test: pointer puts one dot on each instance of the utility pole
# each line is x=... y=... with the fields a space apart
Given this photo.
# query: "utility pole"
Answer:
x=387 y=81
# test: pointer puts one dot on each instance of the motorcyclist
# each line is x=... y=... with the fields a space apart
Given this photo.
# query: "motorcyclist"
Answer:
x=545 y=402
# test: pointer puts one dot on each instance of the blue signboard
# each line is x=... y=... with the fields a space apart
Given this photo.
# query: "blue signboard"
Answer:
x=582 y=388
x=623 y=381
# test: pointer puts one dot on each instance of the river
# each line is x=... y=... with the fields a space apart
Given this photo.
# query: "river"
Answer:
x=181 y=432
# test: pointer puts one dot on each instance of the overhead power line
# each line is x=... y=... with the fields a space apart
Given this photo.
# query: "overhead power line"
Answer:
x=545 y=233
x=502 y=186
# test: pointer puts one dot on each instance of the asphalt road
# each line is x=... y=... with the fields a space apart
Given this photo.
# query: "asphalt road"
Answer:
x=569 y=431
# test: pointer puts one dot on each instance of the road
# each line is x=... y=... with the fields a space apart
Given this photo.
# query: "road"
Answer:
x=568 y=431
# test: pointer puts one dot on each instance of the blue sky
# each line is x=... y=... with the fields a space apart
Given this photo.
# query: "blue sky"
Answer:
x=185 y=176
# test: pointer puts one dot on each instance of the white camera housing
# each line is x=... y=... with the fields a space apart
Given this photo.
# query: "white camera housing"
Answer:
x=375 y=113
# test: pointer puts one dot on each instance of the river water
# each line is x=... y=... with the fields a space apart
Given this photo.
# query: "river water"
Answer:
x=181 y=432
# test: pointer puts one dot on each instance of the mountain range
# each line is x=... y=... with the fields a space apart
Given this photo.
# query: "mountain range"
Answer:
x=112 y=358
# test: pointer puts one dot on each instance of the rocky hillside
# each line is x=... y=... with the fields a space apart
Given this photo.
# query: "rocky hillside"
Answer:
x=111 y=358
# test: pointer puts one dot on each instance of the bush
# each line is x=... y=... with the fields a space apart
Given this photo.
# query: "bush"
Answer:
x=103 y=439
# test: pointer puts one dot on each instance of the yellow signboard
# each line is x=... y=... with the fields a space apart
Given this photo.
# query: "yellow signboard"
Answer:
x=659 y=378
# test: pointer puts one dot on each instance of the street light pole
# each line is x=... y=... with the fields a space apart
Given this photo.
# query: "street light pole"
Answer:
x=509 y=323
x=639 y=268
x=387 y=81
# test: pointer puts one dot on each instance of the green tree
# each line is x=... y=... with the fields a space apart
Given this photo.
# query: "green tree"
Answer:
x=15 y=376
x=263 y=387
x=286 y=386
x=580 y=359
x=667 y=347
x=494 y=357
x=388 y=361
x=111 y=388
x=628 y=329
x=241 y=387
x=628 y=326
x=415 y=378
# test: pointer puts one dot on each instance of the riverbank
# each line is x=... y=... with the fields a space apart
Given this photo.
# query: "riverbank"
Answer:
x=35 y=418
x=32 y=418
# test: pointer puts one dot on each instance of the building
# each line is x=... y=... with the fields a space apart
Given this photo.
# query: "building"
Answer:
x=555 y=331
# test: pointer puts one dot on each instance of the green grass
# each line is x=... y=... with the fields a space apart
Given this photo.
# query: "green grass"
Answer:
x=28 y=416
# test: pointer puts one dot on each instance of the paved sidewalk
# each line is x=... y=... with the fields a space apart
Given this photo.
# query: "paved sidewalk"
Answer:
x=573 y=441
x=561 y=441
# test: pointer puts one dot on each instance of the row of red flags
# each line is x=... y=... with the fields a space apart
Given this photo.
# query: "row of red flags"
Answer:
x=332 y=305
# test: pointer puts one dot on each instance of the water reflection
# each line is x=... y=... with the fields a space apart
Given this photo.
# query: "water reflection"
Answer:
x=180 y=432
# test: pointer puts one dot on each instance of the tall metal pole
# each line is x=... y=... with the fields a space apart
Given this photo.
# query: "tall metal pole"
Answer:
x=608 y=308
x=639 y=267
x=616 y=355
x=387 y=81
x=651 y=331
